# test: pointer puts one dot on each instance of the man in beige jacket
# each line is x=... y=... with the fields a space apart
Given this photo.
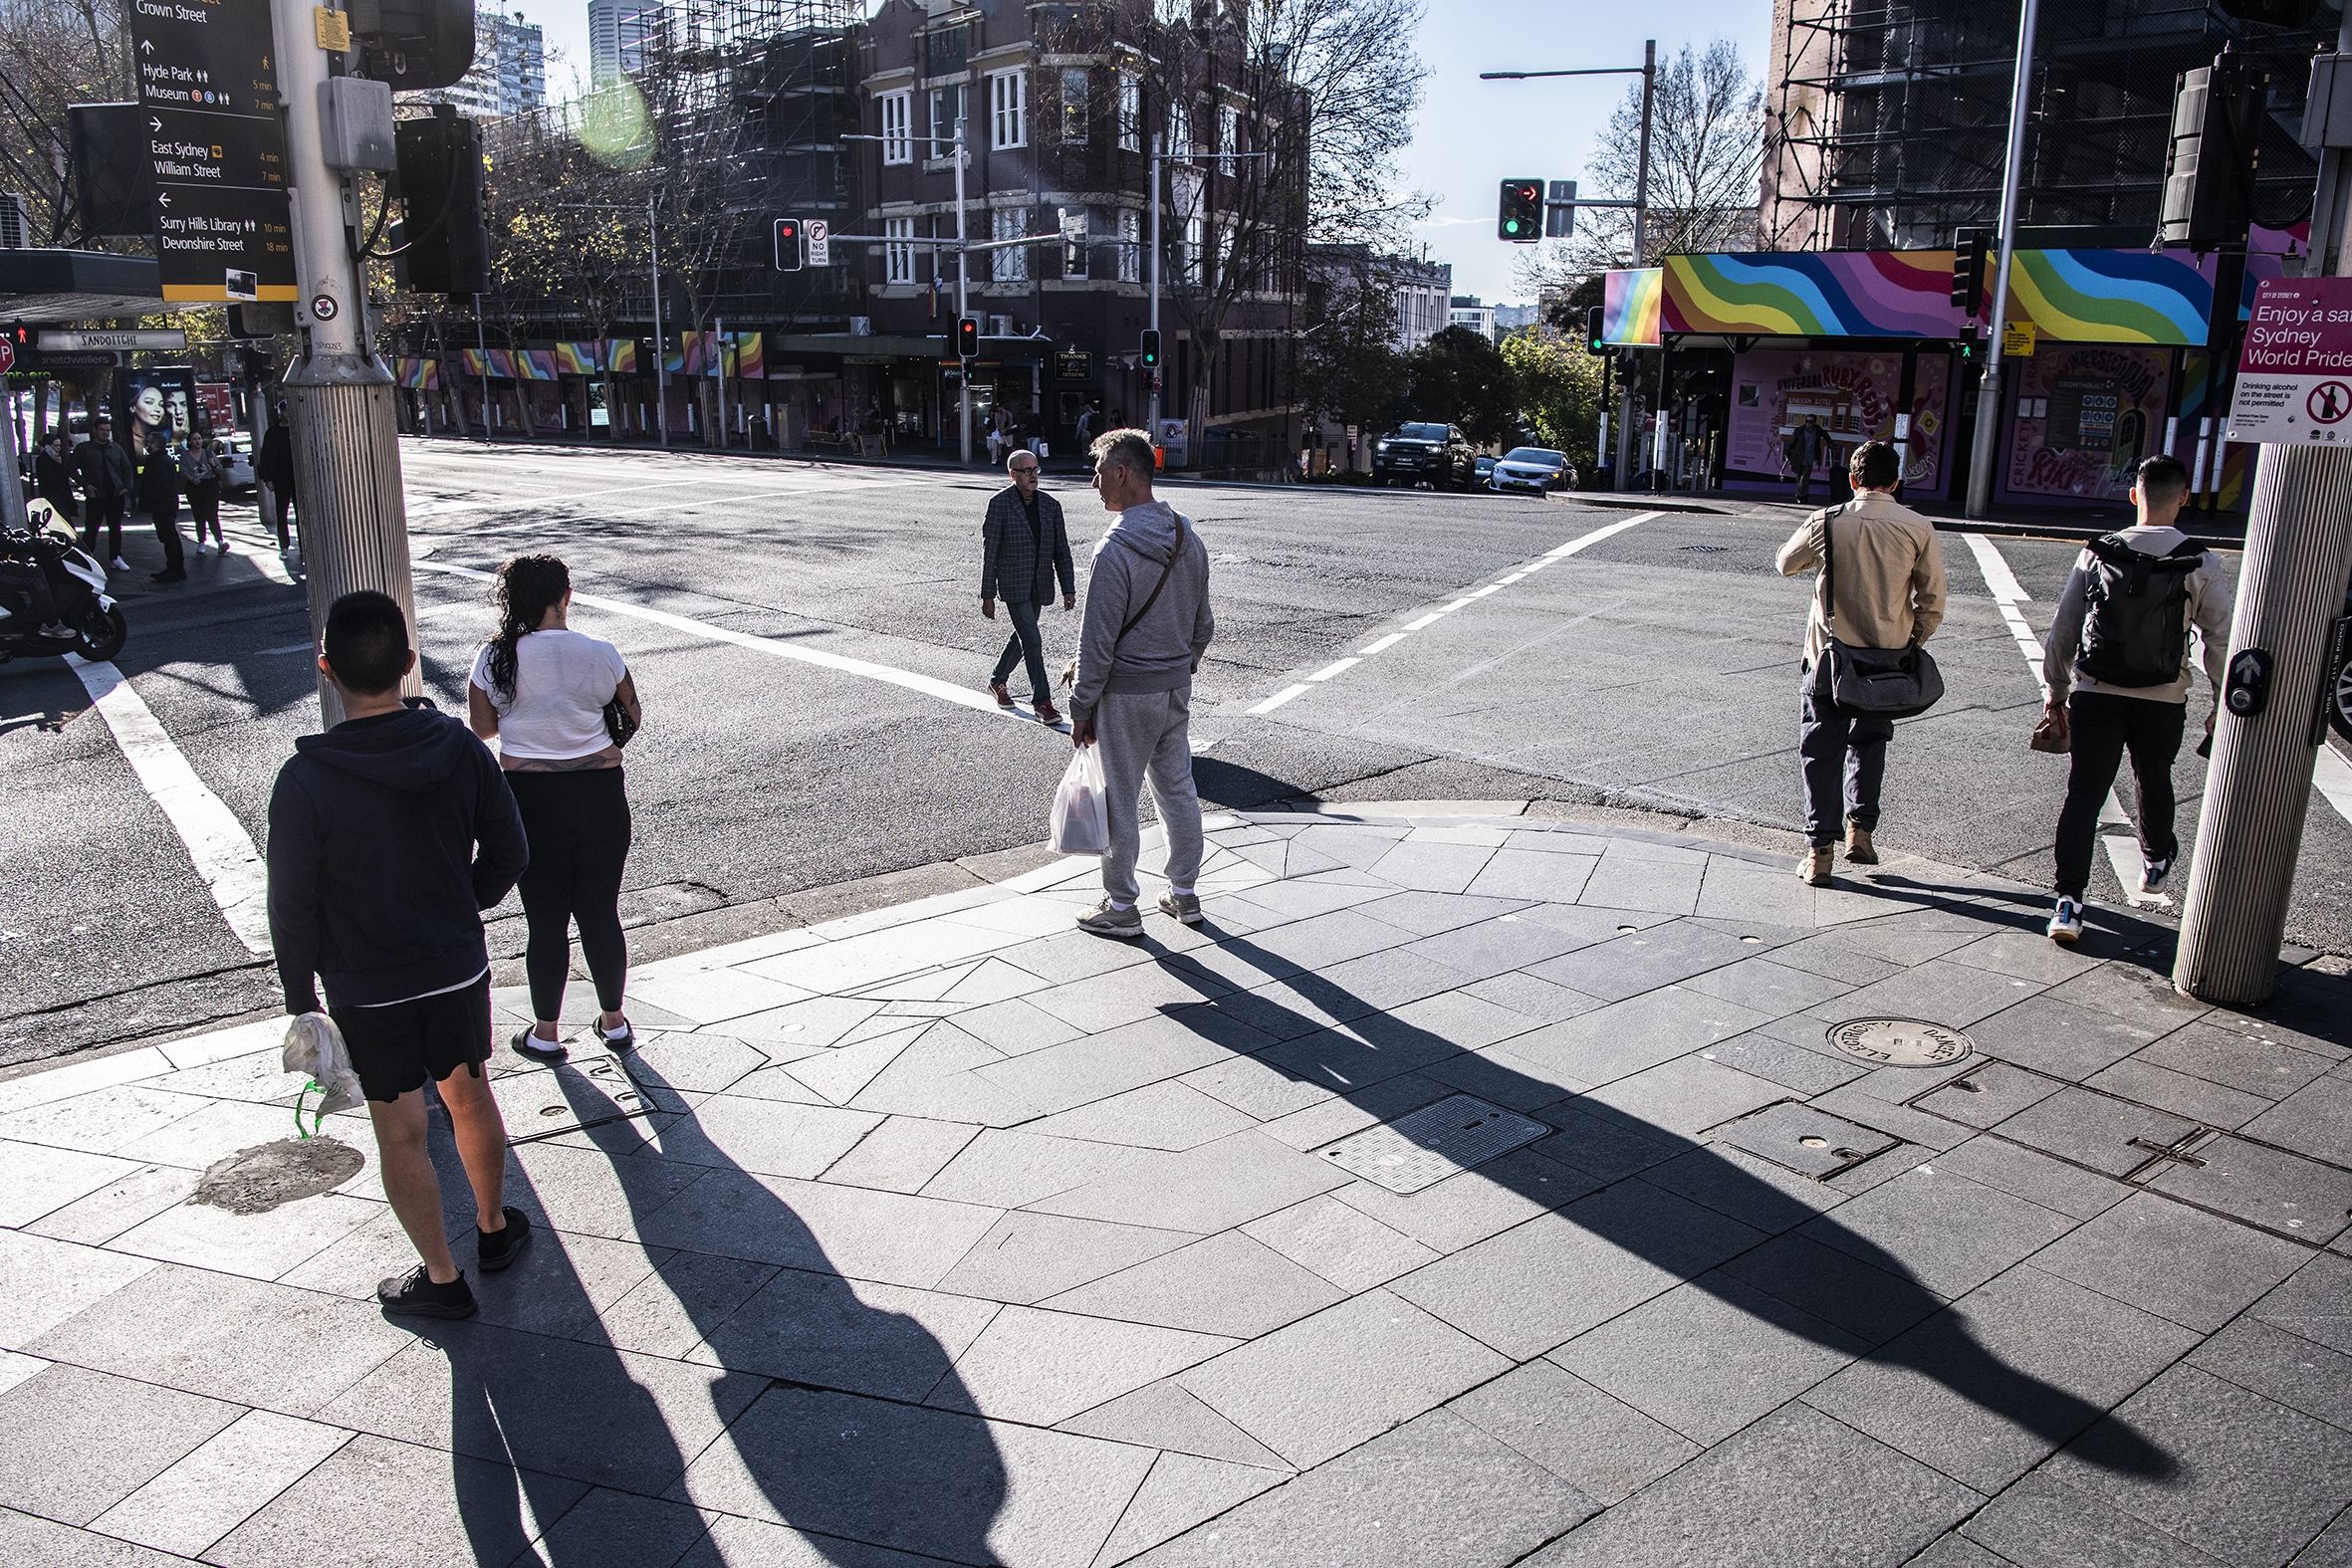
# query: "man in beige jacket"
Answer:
x=1890 y=591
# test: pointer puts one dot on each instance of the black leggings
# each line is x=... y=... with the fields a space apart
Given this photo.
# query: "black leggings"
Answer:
x=579 y=827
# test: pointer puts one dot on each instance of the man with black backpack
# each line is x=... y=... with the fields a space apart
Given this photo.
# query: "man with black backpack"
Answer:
x=2120 y=646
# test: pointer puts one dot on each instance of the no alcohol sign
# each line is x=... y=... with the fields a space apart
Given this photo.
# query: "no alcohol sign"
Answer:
x=2295 y=375
x=207 y=96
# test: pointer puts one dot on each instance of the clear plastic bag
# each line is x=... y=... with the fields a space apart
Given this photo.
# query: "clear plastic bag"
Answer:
x=315 y=1048
x=1081 y=812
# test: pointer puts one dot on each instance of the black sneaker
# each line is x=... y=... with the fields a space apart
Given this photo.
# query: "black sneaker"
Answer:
x=495 y=1250
x=531 y=1045
x=414 y=1295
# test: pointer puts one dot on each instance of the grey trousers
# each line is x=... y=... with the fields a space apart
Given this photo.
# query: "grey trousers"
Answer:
x=1147 y=733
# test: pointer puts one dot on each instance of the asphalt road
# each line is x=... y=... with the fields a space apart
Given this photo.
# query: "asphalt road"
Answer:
x=1652 y=671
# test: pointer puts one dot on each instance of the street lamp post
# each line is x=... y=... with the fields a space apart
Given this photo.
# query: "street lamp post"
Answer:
x=1987 y=434
x=1159 y=154
x=963 y=296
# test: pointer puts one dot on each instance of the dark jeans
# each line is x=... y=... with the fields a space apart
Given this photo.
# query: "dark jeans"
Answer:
x=2104 y=727
x=109 y=510
x=1841 y=745
x=167 y=533
x=281 y=497
x=579 y=827
x=1026 y=642
x=204 y=503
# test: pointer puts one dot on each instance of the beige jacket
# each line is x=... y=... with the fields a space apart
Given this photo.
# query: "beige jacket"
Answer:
x=1890 y=574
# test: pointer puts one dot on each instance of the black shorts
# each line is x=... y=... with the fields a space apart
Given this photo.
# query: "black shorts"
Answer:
x=395 y=1048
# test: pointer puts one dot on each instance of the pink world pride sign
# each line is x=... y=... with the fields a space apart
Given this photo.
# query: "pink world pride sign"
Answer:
x=2294 y=375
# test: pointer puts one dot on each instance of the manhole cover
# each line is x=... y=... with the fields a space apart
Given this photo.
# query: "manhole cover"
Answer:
x=257 y=1180
x=1900 y=1042
x=1432 y=1143
x=1813 y=1143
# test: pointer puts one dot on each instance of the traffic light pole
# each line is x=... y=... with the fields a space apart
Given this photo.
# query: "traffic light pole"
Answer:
x=963 y=301
x=338 y=395
x=2290 y=587
x=1984 y=448
x=1151 y=424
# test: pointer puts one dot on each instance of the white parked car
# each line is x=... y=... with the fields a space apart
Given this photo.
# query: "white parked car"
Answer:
x=237 y=462
x=1532 y=468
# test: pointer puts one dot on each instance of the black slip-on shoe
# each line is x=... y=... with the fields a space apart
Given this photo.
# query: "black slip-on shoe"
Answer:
x=414 y=1295
x=619 y=1042
x=495 y=1250
x=531 y=1045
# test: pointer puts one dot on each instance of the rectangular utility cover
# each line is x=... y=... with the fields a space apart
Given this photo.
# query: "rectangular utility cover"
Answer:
x=355 y=122
x=587 y=1091
x=1432 y=1143
x=1809 y=1141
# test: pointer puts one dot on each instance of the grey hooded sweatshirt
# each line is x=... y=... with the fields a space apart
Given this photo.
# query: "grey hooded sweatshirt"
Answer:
x=1164 y=649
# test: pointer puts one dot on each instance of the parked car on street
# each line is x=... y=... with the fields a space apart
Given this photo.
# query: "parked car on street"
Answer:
x=1533 y=469
x=1411 y=453
x=237 y=465
x=1484 y=474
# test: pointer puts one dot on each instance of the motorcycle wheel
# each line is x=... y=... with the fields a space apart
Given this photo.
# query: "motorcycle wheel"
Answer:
x=103 y=634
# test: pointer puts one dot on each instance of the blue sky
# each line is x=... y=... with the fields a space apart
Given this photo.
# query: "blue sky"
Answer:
x=1473 y=135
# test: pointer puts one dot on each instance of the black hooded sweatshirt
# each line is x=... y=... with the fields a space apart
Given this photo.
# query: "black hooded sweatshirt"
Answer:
x=389 y=835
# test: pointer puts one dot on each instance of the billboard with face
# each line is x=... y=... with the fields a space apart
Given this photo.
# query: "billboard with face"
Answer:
x=155 y=409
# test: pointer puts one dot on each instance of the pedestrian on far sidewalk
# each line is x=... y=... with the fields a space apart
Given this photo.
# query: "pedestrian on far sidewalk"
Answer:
x=200 y=476
x=1804 y=449
x=390 y=834
x=542 y=689
x=159 y=497
x=273 y=467
x=1147 y=625
x=107 y=482
x=1890 y=592
x=53 y=476
x=1024 y=548
x=2118 y=672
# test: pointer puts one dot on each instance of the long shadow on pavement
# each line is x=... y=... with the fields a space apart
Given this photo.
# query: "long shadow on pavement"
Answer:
x=1829 y=1285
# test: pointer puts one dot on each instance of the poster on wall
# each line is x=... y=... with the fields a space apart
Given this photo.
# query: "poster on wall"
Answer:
x=2084 y=416
x=1852 y=397
x=154 y=408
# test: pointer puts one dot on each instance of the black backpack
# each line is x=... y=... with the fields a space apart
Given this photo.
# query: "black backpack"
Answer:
x=2137 y=631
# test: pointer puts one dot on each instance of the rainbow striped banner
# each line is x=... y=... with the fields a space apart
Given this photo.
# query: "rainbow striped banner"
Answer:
x=2113 y=297
x=1630 y=313
x=744 y=357
x=580 y=359
x=535 y=364
x=420 y=376
x=1802 y=294
x=621 y=355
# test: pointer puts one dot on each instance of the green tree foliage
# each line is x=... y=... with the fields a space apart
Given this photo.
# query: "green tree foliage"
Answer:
x=1460 y=378
x=1349 y=369
x=1558 y=390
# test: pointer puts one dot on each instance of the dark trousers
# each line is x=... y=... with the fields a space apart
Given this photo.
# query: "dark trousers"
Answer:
x=204 y=505
x=1026 y=642
x=579 y=827
x=281 y=497
x=166 y=518
x=1845 y=761
x=2104 y=727
x=109 y=510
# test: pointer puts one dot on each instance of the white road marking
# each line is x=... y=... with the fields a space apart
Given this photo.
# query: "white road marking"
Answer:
x=977 y=701
x=2123 y=849
x=217 y=843
x=1281 y=697
x=2331 y=776
x=1443 y=610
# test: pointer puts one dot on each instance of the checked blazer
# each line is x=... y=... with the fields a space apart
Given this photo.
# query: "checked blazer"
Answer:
x=1009 y=562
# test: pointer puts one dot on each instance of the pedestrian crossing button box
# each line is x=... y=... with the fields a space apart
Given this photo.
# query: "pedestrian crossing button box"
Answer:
x=2247 y=689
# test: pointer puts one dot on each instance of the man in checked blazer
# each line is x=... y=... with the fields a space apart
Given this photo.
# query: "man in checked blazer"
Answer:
x=1023 y=548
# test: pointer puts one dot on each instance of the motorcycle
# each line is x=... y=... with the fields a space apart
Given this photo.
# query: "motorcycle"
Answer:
x=78 y=584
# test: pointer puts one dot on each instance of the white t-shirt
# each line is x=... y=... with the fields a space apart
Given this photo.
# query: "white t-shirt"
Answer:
x=562 y=679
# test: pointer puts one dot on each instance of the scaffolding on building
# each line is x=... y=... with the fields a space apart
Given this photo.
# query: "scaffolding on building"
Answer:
x=1889 y=117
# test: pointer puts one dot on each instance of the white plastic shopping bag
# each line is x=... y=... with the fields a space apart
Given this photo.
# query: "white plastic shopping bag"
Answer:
x=315 y=1048
x=1081 y=812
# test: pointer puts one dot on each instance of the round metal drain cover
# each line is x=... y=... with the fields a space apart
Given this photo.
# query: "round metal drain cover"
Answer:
x=1900 y=1042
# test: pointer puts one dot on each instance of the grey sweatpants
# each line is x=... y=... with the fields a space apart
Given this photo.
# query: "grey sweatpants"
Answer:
x=1146 y=732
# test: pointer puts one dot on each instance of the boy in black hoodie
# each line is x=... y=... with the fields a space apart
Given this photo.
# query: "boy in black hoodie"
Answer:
x=389 y=835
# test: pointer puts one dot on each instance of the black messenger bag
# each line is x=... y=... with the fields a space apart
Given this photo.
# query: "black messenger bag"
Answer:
x=1887 y=683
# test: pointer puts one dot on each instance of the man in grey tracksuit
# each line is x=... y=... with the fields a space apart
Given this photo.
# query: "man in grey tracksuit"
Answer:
x=1147 y=623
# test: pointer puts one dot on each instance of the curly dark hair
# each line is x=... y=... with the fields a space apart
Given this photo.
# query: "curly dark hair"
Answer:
x=528 y=586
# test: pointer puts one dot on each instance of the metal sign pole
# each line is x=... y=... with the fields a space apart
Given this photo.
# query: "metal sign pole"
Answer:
x=963 y=293
x=1987 y=434
x=1152 y=423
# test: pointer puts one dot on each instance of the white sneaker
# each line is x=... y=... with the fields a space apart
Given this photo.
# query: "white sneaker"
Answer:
x=199 y=547
x=121 y=565
x=2154 y=875
x=2067 y=920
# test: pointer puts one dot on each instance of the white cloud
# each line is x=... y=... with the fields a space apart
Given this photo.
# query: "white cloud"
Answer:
x=1441 y=223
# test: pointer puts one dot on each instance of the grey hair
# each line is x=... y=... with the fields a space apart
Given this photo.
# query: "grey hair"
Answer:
x=1127 y=449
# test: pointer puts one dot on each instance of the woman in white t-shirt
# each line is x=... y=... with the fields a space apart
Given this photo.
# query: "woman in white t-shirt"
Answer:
x=541 y=689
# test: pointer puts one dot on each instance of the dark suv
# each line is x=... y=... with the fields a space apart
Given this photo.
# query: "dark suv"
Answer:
x=1440 y=454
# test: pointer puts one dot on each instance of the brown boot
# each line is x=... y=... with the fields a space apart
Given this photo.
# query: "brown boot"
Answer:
x=1858 y=847
x=1815 y=867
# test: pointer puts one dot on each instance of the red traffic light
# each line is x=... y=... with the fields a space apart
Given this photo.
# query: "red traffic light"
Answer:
x=967 y=335
x=790 y=255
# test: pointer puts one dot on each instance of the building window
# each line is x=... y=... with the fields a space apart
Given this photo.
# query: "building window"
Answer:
x=1010 y=265
x=1188 y=254
x=1073 y=106
x=1131 y=113
x=898 y=261
x=1229 y=135
x=1179 y=129
x=946 y=51
x=947 y=106
x=1130 y=246
x=1008 y=109
x=897 y=142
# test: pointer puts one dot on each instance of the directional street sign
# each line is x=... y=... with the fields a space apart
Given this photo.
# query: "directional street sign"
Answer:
x=2295 y=375
x=169 y=339
x=208 y=85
